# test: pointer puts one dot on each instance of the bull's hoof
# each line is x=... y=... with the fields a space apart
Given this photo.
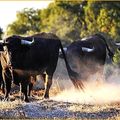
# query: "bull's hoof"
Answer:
x=26 y=100
x=46 y=96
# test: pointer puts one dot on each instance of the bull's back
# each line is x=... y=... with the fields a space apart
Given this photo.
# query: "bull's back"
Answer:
x=75 y=53
x=41 y=54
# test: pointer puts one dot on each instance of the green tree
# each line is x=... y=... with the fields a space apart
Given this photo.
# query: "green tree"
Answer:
x=27 y=22
x=60 y=21
x=116 y=58
x=104 y=16
x=70 y=20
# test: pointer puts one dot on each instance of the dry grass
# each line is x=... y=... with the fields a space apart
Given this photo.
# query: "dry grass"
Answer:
x=51 y=109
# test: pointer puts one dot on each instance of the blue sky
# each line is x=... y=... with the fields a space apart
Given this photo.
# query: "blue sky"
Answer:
x=8 y=9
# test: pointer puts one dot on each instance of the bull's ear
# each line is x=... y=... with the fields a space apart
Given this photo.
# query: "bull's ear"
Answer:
x=26 y=42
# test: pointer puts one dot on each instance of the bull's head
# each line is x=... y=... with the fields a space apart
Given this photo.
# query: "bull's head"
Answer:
x=12 y=47
x=23 y=42
x=3 y=43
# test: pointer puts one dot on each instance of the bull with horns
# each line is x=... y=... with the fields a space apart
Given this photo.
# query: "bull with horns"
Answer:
x=88 y=55
x=23 y=57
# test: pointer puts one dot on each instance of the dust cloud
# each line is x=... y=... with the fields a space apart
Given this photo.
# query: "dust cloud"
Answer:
x=97 y=91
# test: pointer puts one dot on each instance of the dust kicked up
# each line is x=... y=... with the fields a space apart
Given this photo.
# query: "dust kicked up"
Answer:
x=98 y=89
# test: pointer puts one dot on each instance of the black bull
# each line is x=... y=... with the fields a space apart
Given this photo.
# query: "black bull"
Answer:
x=23 y=57
x=32 y=81
x=87 y=56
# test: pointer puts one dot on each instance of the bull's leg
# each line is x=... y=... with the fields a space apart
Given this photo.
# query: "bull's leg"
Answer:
x=1 y=83
x=30 y=88
x=48 y=83
x=7 y=83
x=3 y=87
x=7 y=89
x=49 y=74
x=24 y=91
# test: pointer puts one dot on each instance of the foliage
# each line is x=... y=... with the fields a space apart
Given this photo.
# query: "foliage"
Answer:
x=116 y=58
x=60 y=21
x=70 y=20
x=27 y=21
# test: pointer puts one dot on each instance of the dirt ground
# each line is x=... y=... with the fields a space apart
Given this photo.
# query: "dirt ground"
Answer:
x=51 y=109
x=63 y=108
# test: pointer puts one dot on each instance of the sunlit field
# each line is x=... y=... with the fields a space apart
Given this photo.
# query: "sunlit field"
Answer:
x=100 y=100
x=34 y=34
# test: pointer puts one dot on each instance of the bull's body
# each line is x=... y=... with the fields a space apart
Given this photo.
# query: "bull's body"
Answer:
x=20 y=62
x=88 y=56
x=17 y=82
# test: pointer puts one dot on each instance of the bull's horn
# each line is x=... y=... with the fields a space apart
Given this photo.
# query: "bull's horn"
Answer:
x=65 y=49
x=2 y=42
x=88 y=49
x=118 y=44
x=26 y=42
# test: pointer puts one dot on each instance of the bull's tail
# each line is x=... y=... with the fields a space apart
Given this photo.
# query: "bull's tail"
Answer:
x=74 y=76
